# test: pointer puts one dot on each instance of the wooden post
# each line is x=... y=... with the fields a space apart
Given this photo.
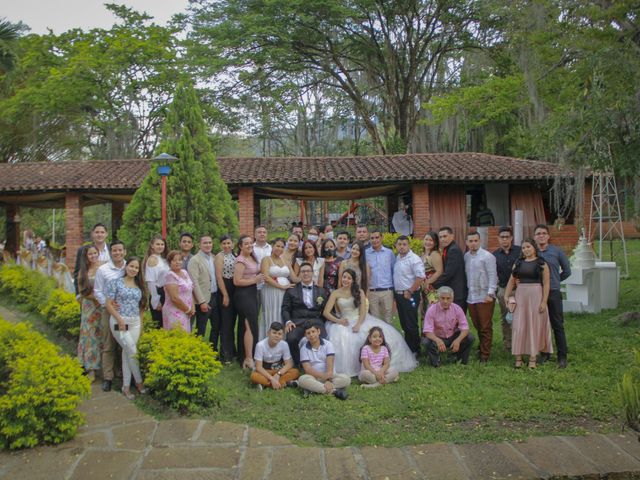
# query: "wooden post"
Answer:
x=421 y=211
x=13 y=230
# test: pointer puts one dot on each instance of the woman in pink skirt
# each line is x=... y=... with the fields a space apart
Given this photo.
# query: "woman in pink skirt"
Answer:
x=531 y=330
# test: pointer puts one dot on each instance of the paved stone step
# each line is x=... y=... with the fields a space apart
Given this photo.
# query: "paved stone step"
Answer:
x=121 y=442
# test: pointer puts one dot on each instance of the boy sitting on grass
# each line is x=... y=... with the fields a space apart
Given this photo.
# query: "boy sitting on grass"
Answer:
x=317 y=357
x=274 y=365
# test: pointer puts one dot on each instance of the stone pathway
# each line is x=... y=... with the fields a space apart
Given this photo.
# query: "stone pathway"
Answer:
x=9 y=315
x=120 y=442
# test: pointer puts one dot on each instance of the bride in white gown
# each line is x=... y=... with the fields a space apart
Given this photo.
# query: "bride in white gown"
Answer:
x=348 y=331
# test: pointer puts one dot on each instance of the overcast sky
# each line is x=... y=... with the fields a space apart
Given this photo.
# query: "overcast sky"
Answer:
x=62 y=15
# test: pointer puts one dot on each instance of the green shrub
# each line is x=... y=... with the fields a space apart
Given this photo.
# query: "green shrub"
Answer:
x=179 y=369
x=148 y=323
x=630 y=393
x=58 y=307
x=26 y=286
x=389 y=241
x=62 y=312
x=40 y=389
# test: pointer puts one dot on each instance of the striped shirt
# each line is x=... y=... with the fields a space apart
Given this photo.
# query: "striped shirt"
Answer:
x=375 y=359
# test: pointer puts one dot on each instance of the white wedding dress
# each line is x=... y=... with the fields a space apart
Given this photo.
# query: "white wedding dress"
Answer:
x=348 y=344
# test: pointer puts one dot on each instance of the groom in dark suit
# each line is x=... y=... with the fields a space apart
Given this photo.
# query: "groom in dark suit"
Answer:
x=303 y=302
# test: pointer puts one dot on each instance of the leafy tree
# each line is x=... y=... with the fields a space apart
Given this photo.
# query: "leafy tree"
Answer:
x=97 y=94
x=556 y=79
x=386 y=57
x=9 y=33
x=197 y=199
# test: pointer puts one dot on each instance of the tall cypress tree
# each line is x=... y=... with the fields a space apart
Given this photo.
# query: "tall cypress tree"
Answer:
x=197 y=199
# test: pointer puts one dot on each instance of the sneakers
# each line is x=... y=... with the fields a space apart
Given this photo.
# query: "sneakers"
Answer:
x=128 y=395
x=259 y=387
x=292 y=384
x=340 y=394
x=106 y=385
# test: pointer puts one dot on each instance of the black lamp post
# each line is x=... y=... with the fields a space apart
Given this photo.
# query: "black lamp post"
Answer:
x=164 y=169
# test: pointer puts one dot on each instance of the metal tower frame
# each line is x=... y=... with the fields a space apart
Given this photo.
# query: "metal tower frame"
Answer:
x=605 y=210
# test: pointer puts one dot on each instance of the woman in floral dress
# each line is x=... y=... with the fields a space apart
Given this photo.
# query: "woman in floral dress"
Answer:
x=90 y=341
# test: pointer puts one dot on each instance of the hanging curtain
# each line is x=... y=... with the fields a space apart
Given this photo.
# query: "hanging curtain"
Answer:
x=498 y=201
x=448 y=205
x=528 y=199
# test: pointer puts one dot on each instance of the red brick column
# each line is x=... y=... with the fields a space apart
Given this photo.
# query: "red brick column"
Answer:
x=246 y=210
x=117 y=210
x=12 y=229
x=73 y=224
x=421 y=211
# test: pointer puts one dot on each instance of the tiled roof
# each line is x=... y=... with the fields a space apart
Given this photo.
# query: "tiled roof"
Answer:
x=97 y=175
x=385 y=168
x=113 y=175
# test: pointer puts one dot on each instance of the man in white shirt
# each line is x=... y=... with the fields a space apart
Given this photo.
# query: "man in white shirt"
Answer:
x=482 y=282
x=274 y=365
x=408 y=275
x=113 y=269
x=317 y=357
x=261 y=247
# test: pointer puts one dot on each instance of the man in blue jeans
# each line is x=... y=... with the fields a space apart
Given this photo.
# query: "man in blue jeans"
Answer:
x=559 y=270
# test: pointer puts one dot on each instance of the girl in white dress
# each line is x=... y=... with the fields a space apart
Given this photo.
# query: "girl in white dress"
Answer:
x=155 y=268
x=347 y=330
x=278 y=277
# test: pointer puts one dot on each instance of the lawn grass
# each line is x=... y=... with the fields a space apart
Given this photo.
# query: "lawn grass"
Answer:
x=455 y=403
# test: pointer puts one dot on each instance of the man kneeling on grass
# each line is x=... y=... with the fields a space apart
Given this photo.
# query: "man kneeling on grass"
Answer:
x=274 y=365
x=446 y=328
x=316 y=357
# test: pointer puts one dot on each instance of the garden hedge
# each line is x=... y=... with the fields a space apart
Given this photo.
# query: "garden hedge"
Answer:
x=40 y=389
